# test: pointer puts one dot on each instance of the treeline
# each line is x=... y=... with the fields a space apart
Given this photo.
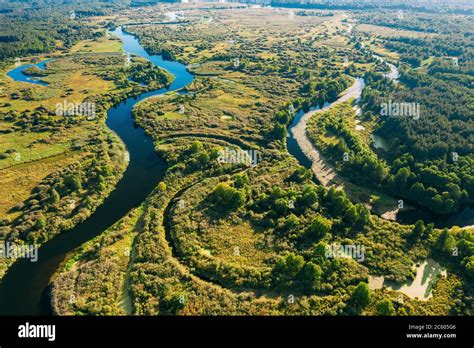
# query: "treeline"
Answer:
x=415 y=50
x=416 y=21
x=436 y=180
x=377 y=5
x=446 y=37
x=287 y=211
x=314 y=14
x=27 y=34
x=28 y=28
x=431 y=158
x=446 y=123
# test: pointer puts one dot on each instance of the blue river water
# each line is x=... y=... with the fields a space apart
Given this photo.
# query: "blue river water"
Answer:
x=18 y=75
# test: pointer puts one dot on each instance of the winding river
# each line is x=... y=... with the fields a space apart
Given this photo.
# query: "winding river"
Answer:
x=302 y=148
x=24 y=289
x=18 y=75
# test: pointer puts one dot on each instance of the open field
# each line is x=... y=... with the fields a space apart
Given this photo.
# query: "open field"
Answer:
x=18 y=181
x=382 y=31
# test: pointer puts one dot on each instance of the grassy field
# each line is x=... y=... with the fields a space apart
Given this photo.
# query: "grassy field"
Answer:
x=18 y=181
x=234 y=243
x=37 y=154
x=382 y=31
x=105 y=44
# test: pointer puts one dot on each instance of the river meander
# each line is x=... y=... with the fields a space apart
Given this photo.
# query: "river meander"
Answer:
x=23 y=290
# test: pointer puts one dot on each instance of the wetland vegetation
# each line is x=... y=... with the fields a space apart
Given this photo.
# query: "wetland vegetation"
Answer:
x=236 y=225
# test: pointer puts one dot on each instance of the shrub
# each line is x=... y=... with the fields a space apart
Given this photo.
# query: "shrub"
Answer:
x=385 y=307
x=361 y=295
x=227 y=197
